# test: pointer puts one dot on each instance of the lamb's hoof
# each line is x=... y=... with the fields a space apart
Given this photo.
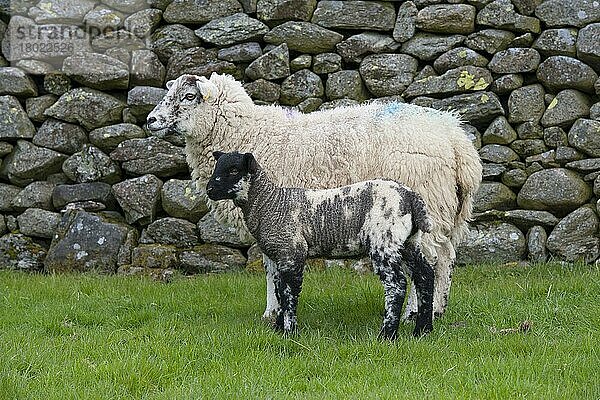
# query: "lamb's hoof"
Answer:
x=270 y=317
x=387 y=334
x=422 y=330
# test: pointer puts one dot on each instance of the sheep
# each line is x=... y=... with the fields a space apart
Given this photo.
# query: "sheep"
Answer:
x=425 y=148
x=379 y=218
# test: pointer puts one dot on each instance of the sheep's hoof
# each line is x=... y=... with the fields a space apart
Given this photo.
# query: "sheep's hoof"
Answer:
x=387 y=334
x=422 y=330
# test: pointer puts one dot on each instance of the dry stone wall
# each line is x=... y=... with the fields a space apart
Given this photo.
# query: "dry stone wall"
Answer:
x=83 y=186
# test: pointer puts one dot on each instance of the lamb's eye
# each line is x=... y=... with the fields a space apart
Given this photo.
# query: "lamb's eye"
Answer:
x=233 y=171
x=189 y=96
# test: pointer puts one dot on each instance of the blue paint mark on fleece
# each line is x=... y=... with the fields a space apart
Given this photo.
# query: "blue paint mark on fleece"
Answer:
x=389 y=110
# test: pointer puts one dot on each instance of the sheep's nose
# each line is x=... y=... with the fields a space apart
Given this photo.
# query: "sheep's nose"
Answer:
x=151 y=120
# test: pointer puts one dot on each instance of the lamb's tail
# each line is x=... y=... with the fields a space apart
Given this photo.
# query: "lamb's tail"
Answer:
x=420 y=217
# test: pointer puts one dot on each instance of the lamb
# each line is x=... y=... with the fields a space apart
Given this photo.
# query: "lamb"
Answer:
x=425 y=148
x=379 y=218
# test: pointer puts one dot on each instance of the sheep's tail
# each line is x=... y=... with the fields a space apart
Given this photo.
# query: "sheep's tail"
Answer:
x=468 y=179
x=420 y=217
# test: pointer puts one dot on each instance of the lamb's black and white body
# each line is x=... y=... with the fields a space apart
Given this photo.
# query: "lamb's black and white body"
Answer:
x=379 y=218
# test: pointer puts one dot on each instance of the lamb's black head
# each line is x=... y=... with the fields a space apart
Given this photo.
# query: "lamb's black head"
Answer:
x=231 y=177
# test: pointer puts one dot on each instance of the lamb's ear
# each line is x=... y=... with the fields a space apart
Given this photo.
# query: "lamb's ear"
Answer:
x=217 y=155
x=251 y=164
x=207 y=89
x=170 y=84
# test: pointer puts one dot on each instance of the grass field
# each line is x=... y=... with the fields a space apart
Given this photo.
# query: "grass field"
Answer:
x=113 y=337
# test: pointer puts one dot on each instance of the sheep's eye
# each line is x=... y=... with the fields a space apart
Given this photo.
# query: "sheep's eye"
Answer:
x=189 y=96
x=233 y=171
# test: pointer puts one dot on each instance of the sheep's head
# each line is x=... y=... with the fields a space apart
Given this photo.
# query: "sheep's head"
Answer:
x=186 y=95
x=231 y=177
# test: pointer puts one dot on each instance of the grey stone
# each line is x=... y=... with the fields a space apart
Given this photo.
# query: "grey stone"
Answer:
x=201 y=62
x=454 y=81
x=99 y=192
x=14 y=121
x=3 y=228
x=595 y=111
x=211 y=258
x=346 y=84
x=117 y=39
x=588 y=45
x=514 y=61
x=215 y=233
x=36 y=106
x=545 y=159
x=91 y=165
x=7 y=194
x=528 y=147
x=428 y=46
x=523 y=219
x=338 y=103
x=168 y=40
x=11 y=223
x=139 y=198
x=555 y=136
x=565 y=154
x=103 y=19
x=283 y=10
x=536 y=244
x=597 y=186
x=244 y=52
x=263 y=90
x=309 y=105
x=514 y=178
x=274 y=64
x=304 y=37
x=566 y=108
x=39 y=223
x=447 y=18
x=301 y=86
x=142 y=99
x=479 y=109
x=143 y=22
x=57 y=83
x=585 y=136
x=35 y=195
x=28 y=163
x=357 y=46
x=406 y=21
x=505 y=84
x=150 y=155
x=87 y=107
x=182 y=199
x=13 y=81
x=195 y=12
x=121 y=54
x=560 y=72
x=492 y=171
x=127 y=6
x=5 y=148
x=526 y=104
x=526 y=7
x=530 y=130
x=154 y=257
x=109 y=137
x=523 y=40
x=171 y=231
x=557 y=190
x=501 y=14
x=492 y=242
x=489 y=40
x=387 y=74
x=493 y=196
x=327 y=63
x=61 y=12
x=575 y=237
x=60 y=136
x=459 y=57
x=557 y=42
x=18 y=252
x=87 y=242
x=585 y=166
x=233 y=29
x=577 y=13
x=303 y=61
x=146 y=69
x=497 y=153
x=358 y=14
x=499 y=132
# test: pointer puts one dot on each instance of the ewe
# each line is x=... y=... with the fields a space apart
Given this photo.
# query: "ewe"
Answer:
x=425 y=148
x=381 y=219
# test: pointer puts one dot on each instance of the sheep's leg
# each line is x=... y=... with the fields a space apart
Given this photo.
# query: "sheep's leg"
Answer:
x=288 y=285
x=423 y=278
x=272 y=308
x=394 y=285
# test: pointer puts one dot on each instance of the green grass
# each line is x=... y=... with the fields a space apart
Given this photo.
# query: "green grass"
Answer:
x=112 y=337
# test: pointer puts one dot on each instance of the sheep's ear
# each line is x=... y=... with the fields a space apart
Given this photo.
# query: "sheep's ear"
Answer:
x=251 y=164
x=217 y=155
x=207 y=89
x=170 y=84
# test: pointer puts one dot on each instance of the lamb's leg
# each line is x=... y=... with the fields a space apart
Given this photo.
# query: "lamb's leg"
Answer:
x=422 y=276
x=272 y=307
x=443 y=277
x=288 y=285
x=394 y=285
